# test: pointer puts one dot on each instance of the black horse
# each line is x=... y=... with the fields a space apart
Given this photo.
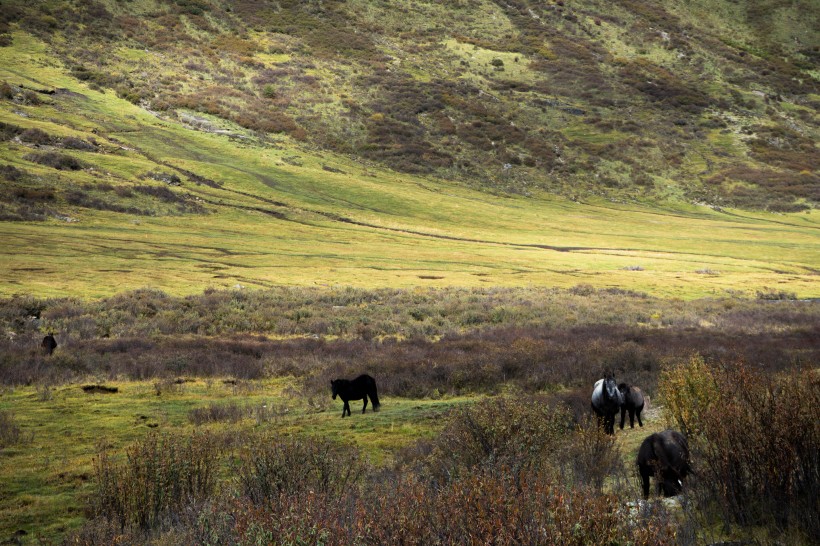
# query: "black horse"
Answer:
x=357 y=389
x=664 y=455
x=49 y=344
x=606 y=401
x=633 y=403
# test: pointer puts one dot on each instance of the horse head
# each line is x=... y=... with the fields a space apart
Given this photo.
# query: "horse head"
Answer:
x=334 y=387
x=610 y=389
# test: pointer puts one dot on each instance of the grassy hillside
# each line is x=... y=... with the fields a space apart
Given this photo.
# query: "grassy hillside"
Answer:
x=708 y=101
x=101 y=195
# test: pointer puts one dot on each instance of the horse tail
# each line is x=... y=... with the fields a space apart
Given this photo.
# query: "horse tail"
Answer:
x=374 y=396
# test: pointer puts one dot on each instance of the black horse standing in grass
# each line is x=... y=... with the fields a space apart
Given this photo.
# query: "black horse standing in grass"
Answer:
x=606 y=401
x=664 y=455
x=49 y=344
x=633 y=403
x=356 y=389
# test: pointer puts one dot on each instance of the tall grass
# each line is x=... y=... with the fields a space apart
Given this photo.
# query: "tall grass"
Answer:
x=10 y=432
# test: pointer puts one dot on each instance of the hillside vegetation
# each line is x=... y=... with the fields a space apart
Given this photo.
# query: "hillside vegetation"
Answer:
x=101 y=195
x=710 y=101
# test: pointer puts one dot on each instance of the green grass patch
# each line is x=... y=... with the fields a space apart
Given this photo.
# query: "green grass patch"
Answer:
x=47 y=480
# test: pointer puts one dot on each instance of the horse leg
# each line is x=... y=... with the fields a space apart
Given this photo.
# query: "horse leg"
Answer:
x=645 y=482
x=346 y=409
x=631 y=418
x=638 y=415
x=623 y=417
x=365 y=403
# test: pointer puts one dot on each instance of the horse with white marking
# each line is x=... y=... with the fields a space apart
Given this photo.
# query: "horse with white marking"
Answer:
x=607 y=401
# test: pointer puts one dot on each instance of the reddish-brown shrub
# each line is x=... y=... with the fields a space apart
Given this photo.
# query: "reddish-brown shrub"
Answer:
x=754 y=438
x=161 y=474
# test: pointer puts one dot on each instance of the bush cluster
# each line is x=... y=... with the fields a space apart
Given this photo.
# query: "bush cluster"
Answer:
x=297 y=491
x=416 y=343
x=754 y=436
x=56 y=160
x=162 y=474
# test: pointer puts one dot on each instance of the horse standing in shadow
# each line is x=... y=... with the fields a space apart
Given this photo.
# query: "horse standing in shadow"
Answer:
x=49 y=344
x=606 y=401
x=633 y=403
x=360 y=388
x=664 y=455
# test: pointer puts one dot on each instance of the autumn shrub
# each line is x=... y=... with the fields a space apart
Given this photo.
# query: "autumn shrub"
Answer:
x=36 y=136
x=6 y=91
x=478 y=508
x=84 y=199
x=590 y=457
x=10 y=432
x=511 y=434
x=775 y=295
x=11 y=173
x=8 y=131
x=161 y=474
x=271 y=468
x=73 y=143
x=493 y=508
x=754 y=438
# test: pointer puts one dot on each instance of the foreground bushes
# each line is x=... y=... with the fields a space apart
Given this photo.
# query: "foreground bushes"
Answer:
x=481 y=508
x=755 y=438
x=508 y=470
x=506 y=487
x=162 y=474
x=270 y=468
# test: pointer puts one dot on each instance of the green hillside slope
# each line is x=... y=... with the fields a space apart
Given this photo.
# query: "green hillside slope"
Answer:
x=101 y=195
x=708 y=101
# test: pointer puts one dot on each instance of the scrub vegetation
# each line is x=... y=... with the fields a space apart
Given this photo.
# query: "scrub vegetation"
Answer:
x=222 y=434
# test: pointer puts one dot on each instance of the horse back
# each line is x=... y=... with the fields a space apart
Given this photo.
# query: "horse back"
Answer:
x=356 y=389
x=364 y=379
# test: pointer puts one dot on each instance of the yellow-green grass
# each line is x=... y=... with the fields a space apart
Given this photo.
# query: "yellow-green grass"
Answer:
x=402 y=231
x=45 y=480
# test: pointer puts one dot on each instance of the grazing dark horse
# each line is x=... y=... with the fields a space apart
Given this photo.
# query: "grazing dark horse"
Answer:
x=606 y=401
x=664 y=455
x=633 y=403
x=49 y=344
x=356 y=389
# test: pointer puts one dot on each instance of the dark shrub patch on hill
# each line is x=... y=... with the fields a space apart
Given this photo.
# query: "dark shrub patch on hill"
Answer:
x=56 y=160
